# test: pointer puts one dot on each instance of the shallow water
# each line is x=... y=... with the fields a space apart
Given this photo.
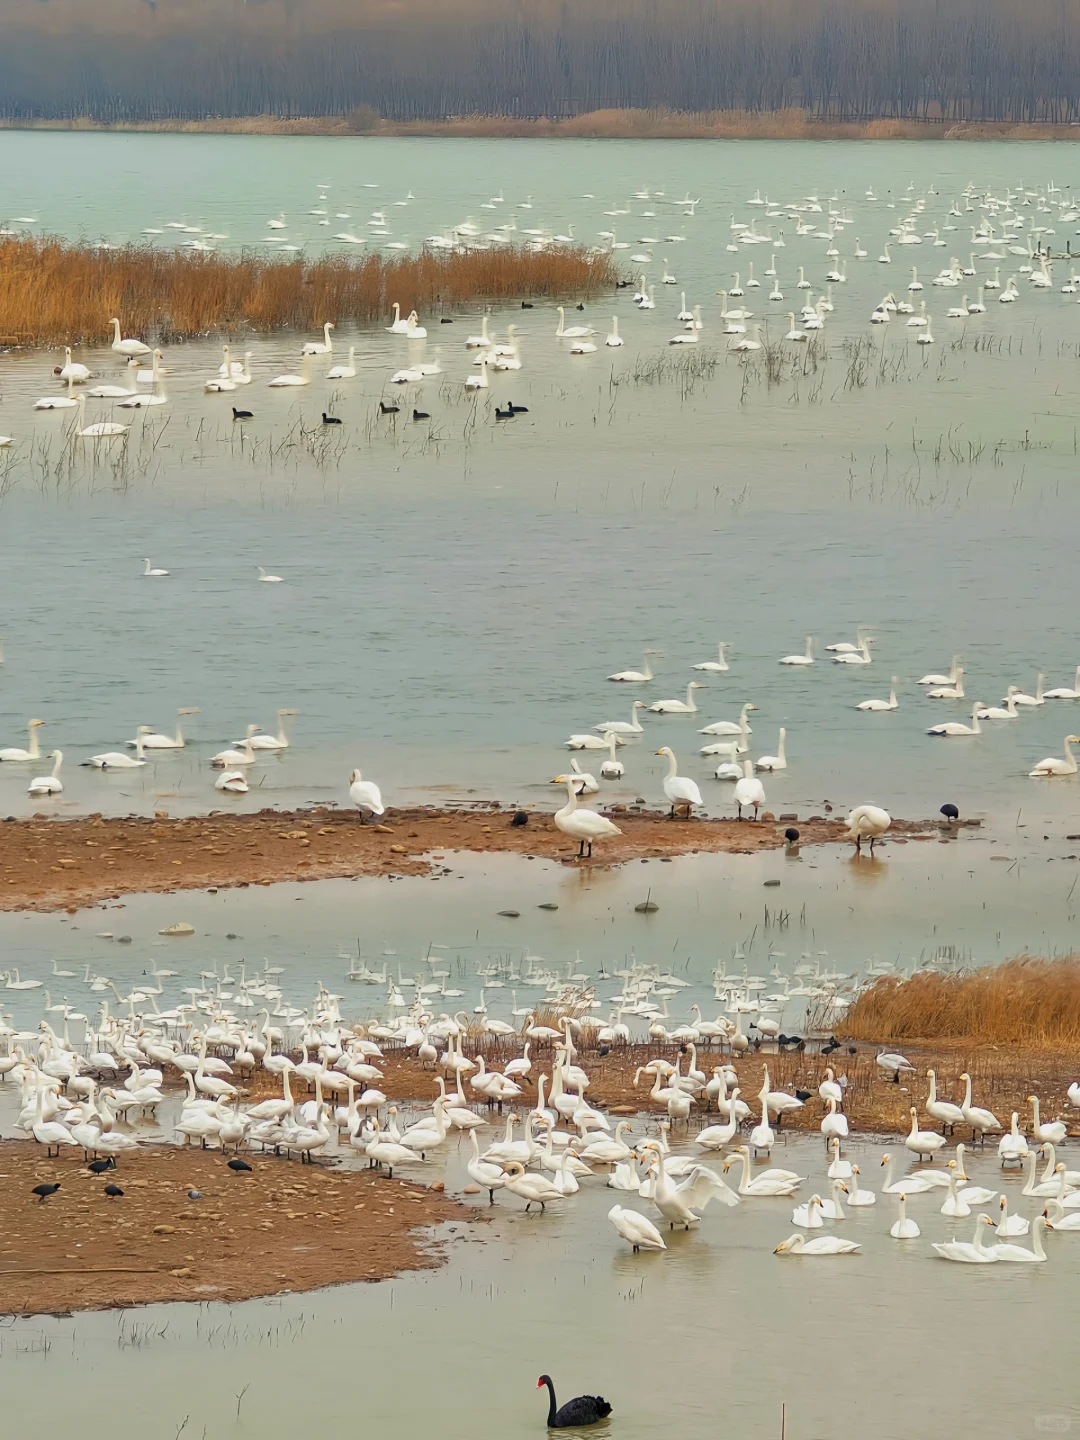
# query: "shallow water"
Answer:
x=717 y=1330
x=949 y=905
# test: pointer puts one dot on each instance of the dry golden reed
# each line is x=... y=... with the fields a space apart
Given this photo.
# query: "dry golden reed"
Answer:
x=1026 y=1002
x=52 y=292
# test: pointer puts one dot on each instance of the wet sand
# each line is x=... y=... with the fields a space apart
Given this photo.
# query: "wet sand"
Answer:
x=50 y=864
x=285 y=1227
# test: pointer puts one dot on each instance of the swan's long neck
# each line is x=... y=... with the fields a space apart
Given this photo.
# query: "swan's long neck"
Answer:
x=932 y=1096
x=690 y=698
x=1068 y=747
x=35 y=749
x=672 y=767
x=646 y=668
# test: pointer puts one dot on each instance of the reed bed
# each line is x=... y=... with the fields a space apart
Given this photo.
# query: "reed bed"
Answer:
x=1031 y=1003
x=53 y=292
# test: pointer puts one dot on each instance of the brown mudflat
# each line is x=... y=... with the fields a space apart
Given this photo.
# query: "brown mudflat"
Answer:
x=284 y=1227
x=51 y=864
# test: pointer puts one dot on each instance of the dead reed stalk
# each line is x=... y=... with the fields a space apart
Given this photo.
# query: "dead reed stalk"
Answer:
x=1032 y=1003
x=53 y=292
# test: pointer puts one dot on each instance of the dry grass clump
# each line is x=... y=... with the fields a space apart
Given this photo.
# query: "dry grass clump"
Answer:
x=54 y=292
x=1027 y=1002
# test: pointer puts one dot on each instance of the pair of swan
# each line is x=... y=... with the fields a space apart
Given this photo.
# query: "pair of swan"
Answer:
x=976 y=1253
x=155 y=740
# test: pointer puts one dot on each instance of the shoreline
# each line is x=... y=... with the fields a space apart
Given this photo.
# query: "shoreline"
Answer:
x=592 y=125
x=50 y=864
x=279 y=1229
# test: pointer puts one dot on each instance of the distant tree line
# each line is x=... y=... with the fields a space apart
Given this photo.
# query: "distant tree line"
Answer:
x=863 y=59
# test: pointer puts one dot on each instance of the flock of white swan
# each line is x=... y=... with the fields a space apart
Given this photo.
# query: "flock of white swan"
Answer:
x=87 y=1091
x=1016 y=228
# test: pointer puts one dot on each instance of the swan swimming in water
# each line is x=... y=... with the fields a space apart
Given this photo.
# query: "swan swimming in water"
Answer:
x=679 y=707
x=637 y=677
x=117 y=760
x=1053 y=766
x=34 y=752
x=48 y=784
x=154 y=740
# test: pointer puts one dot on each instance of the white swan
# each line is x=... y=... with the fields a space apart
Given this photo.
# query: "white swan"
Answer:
x=244 y=756
x=761 y=1185
x=280 y=381
x=748 y=790
x=835 y=1127
x=1013 y=1144
x=637 y=1229
x=154 y=374
x=612 y=769
x=280 y=741
x=965 y=1253
x=861 y=656
x=365 y=795
x=154 y=740
x=1014 y=1225
x=1037 y=699
x=950 y=679
x=820 y=1245
x=637 y=677
x=953 y=691
x=399 y=326
x=922 y=1142
x=678 y=707
x=1006 y=712
x=942 y=1111
x=582 y=824
x=320 y=347
x=679 y=1203
x=954 y=1205
x=730 y=727
x=413 y=329
x=903 y=1228
x=806 y=658
x=880 y=705
x=346 y=371
x=955 y=728
x=100 y=429
x=117 y=760
x=61 y=402
x=1017 y=1254
x=614 y=339
x=571 y=332
x=1053 y=766
x=126 y=347
x=808 y=1216
x=1064 y=692
x=679 y=789
x=585 y=783
x=979 y=1120
x=72 y=370
x=233 y=781
x=34 y=752
x=1056 y=1218
x=1049 y=1131
x=856 y=1196
x=909 y=1184
x=777 y=761
x=481 y=341
x=720 y=664
x=633 y=726
x=48 y=784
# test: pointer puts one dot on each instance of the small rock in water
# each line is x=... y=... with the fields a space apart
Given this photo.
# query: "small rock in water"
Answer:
x=769 y=883
x=547 y=905
x=123 y=939
x=646 y=907
x=511 y=914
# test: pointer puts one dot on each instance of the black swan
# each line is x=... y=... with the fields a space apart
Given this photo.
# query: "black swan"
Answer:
x=584 y=1410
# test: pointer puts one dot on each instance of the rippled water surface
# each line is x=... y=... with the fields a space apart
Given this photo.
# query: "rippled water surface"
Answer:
x=456 y=591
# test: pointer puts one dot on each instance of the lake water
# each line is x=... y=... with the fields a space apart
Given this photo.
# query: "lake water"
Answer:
x=455 y=595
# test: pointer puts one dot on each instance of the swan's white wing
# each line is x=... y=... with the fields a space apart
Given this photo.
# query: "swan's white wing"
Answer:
x=701 y=1186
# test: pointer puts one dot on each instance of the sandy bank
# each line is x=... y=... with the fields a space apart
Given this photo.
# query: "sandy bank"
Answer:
x=593 y=125
x=56 y=864
x=283 y=1227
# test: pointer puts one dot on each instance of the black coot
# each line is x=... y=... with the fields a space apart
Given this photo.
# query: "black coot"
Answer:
x=950 y=812
x=44 y=1191
x=584 y=1410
